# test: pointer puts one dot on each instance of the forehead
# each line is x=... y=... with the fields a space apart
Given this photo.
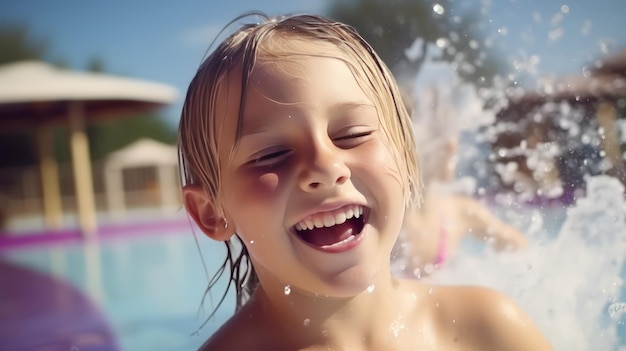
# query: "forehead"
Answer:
x=301 y=77
x=283 y=70
x=302 y=86
x=277 y=60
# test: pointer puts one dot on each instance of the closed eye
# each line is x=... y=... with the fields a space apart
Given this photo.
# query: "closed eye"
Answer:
x=269 y=158
x=354 y=135
x=353 y=139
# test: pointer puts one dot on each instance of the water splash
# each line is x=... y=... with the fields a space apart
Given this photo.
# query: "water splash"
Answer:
x=617 y=310
x=567 y=283
x=570 y=280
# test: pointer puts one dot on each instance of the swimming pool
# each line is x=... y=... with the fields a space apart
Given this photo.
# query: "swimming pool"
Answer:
x=146 y=289
x=143 y=292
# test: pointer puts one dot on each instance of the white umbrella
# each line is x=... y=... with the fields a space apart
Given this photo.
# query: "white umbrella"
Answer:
x=37 y=94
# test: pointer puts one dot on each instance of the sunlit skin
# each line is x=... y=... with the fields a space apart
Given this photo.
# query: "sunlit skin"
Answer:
x=311 y=142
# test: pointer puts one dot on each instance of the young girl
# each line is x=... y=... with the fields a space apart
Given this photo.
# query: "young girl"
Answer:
x=294 y=139
x=433 y=232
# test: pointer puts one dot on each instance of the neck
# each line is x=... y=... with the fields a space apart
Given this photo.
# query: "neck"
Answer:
x=318 y=320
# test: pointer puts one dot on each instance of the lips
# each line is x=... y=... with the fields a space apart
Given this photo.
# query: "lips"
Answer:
x=334 y=231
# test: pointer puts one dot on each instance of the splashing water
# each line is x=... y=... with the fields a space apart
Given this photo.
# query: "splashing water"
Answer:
x=569 y=285
x=570 y=279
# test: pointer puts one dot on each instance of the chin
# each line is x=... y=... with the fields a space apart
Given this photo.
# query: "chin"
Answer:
x=351 y=282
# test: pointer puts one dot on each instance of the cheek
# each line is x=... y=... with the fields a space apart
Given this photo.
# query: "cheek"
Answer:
x=248 y=198
x=382 y=163
x=268 y=183
x=253 y=188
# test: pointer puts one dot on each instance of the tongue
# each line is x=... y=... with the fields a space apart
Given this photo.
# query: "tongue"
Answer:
x=328 y=235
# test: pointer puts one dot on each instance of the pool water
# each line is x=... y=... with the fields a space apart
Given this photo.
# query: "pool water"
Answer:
x=148 y=289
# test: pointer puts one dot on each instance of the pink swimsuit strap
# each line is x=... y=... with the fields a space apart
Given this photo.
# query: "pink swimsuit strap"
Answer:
x=442 y=250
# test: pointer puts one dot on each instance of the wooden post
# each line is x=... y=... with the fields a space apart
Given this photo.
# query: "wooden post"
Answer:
x=606 y=116
x=83 y=181
x=49 y=176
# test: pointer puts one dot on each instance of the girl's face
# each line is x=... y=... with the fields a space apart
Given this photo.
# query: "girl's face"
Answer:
x=311 y=187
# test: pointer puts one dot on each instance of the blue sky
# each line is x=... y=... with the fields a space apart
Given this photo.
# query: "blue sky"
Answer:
x=165 y=41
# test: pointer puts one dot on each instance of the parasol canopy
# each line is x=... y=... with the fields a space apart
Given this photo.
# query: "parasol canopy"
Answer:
x=34 y=93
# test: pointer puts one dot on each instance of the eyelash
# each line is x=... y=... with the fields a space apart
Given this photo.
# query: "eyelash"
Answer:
x=271 y=157
x=354 y=135
x=268 y=157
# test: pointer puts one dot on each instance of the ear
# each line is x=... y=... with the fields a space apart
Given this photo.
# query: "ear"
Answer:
x=204 y=213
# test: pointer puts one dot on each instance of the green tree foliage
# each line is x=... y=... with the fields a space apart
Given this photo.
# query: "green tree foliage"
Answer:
x=18 y=45
x=111 y=134
x=392 y=26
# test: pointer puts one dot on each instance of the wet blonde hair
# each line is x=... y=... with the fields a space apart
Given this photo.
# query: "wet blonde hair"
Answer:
x=236 y=56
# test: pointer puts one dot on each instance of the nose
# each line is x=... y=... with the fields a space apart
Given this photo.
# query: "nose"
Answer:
x=324 y=169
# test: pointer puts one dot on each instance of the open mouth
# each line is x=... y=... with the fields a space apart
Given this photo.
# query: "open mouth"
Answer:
x=333 y=230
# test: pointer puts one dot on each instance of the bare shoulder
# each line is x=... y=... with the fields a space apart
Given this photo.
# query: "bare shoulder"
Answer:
x=489 y=320
x=240 y=332
x=227 y=337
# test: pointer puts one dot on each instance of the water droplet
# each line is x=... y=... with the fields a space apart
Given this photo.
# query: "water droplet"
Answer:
x=438 y=9
x=617 y=309
x=306 y=322
x=251 y=242
x=442 y=42
x=371 y=288
x=429 y=268
x=287 y=289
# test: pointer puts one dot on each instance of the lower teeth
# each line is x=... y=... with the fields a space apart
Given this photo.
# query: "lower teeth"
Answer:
x=346 y=240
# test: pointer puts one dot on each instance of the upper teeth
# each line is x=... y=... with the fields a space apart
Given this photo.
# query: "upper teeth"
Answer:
x=330 y=219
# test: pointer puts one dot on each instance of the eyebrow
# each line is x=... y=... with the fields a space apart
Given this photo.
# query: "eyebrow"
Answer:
x=340 y=107
x=255 y=128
